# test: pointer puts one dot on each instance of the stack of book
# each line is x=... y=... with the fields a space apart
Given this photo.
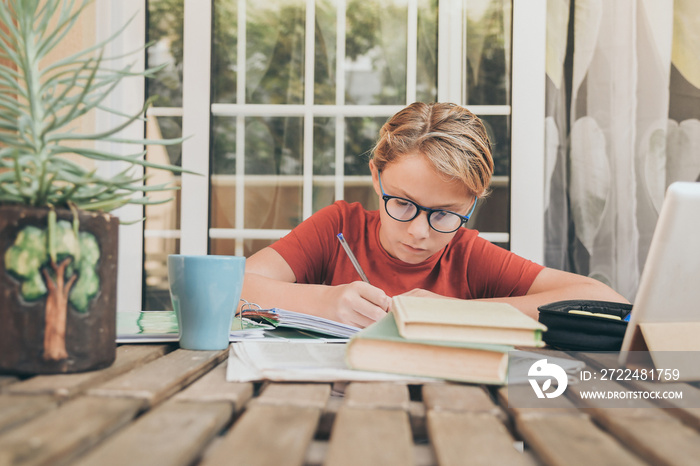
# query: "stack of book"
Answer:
x=465 y=341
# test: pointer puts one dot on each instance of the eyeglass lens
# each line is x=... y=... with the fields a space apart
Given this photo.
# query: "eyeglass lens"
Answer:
x=440 y=220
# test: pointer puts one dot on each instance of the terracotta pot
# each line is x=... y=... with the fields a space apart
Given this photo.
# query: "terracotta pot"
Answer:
x=57 y=315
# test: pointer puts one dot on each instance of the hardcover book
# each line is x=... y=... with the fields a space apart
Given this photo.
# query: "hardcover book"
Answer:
x=380 y=347
x=465 y=320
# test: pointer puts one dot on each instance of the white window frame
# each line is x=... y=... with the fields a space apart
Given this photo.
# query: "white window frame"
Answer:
x=527 y=121
x=128 y=97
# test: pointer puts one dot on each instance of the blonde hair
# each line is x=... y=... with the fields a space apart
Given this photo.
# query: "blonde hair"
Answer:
x=450 y=136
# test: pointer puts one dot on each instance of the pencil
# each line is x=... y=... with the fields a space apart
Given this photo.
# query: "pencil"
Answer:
x=352 y=257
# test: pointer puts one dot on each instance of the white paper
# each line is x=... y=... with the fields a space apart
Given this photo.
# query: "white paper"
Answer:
x=520 y=361
x=299 y=361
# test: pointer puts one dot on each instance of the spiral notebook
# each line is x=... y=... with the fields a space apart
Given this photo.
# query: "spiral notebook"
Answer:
x=296 y=320
x=251 y=322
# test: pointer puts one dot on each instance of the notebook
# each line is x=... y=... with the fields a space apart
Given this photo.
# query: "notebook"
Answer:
x=666 y=313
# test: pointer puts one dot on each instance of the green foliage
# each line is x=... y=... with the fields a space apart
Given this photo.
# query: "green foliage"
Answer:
x=29 y=255
x=25 y=260
x=39 y=106
x=88 y=283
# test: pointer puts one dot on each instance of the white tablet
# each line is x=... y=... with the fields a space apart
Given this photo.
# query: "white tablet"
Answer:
x=669 y=289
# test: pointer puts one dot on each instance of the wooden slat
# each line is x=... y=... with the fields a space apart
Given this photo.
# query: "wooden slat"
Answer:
x=643 y=427
x=328 y=414
x=161 y=378
x=370 y=436
x=686 y=409
x=548 y=407
x=570 y=440
x=66 y=432
x=173 y=434
x=424 y=455
x=382 y=395
x=267 y=434
x=16 y=409
x=629 y=407
x=213 y=387
x=479 y=437
x=416 y=414
x=316 y=454
x=464 y=422
x=559 y=434
x=660 y=441
x=457 y=397
x=295 y=394
x=7 y=380
x=66 y=386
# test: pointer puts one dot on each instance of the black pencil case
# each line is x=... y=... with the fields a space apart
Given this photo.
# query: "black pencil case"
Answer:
x=583 y=330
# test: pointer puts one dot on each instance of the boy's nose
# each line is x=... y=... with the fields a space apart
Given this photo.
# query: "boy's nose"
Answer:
x=419 y=226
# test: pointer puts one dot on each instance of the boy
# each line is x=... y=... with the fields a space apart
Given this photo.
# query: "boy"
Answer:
x=430 y=166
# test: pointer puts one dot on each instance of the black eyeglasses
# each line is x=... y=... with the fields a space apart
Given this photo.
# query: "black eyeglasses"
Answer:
x=405 y=210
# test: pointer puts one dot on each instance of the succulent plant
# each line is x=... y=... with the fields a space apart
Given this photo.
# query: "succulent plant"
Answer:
x=40 y=102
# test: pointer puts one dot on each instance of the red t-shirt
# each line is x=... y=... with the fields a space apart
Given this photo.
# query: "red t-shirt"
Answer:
x=468 y=267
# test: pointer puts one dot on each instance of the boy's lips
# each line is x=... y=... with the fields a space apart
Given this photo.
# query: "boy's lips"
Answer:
x=412 y=248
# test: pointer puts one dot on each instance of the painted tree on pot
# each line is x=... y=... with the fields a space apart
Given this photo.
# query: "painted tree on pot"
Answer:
x=60 y=269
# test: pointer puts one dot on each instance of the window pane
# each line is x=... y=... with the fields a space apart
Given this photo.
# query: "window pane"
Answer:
x=275 y=51
x=162 y=220
x=273 y=148
x=488 y=52
x=274 y=151
x=498 y=129
x=273 y=145
x=224 y=51
x=324 y=162
x=165 y=28
x=222 y=192
x=324 y=145
x=426 y=64
x=375 y=49
x=360 y=136
x=223 y=146
x=227 y=247
x=323 y=193
x=359 y=189
x=272 y=202
x=325 y=52
x=163 y=216
x=492 y=213
x=156 y=294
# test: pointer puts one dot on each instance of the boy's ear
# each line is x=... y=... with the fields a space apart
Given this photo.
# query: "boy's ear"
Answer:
x=375 y=177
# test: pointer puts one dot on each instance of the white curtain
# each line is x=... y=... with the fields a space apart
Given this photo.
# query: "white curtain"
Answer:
x=623 y=102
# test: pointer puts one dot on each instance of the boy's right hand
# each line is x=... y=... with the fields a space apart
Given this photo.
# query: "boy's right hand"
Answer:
x=357 y=303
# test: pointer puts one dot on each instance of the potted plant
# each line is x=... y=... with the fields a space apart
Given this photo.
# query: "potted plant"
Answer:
x=58 y=243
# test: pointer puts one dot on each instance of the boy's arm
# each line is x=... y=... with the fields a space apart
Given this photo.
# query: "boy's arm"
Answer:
x=556 y=285
x=549 y=286
x=270 y=282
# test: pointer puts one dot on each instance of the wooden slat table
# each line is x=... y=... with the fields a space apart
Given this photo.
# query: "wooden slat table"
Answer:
x=158 y=404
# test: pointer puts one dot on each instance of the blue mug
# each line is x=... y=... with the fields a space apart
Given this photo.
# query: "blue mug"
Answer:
x=205 y=291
